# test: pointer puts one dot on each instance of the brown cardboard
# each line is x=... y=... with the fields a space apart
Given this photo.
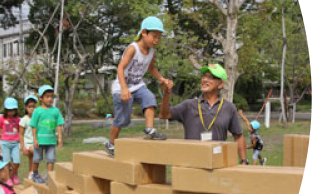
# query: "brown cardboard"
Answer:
x=71 y=192
x=29 y=190
x=238 y=180
x=295 y=150
x=187 y=153
x=102 y=166
x=84 y=184
x=120 y=188
x=41 y=188
x=55 y=186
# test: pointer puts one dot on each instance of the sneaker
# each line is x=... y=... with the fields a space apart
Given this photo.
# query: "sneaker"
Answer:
x=37 y=178
x=152 y=134
x=264 y=160
x=9 y=182
x=30 y=175
x=15 y=180
x=109 y=148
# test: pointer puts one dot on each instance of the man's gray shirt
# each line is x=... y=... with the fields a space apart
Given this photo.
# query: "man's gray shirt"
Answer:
x=188 y=114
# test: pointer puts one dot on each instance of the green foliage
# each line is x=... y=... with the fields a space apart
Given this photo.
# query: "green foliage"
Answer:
x=249 y=87
x=102 y=108
x=240 y=102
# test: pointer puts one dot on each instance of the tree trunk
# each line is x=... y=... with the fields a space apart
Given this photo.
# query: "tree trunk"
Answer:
x=284 y=119
x=231 y=55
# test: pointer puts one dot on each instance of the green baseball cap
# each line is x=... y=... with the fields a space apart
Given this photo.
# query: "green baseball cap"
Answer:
x=150 y=23
x=217 y=71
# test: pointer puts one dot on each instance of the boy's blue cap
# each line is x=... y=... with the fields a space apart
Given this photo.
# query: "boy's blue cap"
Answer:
x=255 y=124
x=150 y=23
x=10 y=103
x=31 y=96
x=43 y=89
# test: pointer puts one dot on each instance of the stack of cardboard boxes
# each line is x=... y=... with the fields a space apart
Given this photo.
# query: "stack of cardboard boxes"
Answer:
x=139 y=167
x=295 y=149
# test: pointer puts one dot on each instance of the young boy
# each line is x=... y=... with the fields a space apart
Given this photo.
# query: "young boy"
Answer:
x=45 y=120
x=257 y=142
x=129 y=86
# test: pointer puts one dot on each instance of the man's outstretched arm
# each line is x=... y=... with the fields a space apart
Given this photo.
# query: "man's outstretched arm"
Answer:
x=165 y=112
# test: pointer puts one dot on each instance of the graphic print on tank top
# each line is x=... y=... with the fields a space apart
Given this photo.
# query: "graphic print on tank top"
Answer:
x=135 y=72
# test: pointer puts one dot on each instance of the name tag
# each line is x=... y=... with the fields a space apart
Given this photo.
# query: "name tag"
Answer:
x=207 y=136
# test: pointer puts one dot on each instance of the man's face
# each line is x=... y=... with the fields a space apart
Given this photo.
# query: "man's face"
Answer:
x=210 y=84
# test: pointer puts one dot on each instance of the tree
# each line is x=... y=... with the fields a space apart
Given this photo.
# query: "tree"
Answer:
x=6 y=16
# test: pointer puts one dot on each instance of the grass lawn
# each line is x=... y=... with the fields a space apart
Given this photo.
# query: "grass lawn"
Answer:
x=272 y=137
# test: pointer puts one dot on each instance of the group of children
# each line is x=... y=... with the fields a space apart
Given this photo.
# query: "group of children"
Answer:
x=32 y=135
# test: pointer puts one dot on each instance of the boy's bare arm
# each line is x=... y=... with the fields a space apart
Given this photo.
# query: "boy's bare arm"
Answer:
x=60 y=141
x=125 y=93
x=154 y=71
x=35 y=138
x=245 y=119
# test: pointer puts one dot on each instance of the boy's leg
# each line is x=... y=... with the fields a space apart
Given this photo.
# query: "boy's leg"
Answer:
x=147 y=100
x=122 y=117
x=50 y=156
x=37 y=158
x=149 y=114
x=114 y=133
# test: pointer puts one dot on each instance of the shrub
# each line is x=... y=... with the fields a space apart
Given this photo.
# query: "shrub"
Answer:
x=240 y=102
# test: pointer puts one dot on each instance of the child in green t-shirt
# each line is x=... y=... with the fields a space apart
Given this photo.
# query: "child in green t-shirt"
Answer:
x=45 y=120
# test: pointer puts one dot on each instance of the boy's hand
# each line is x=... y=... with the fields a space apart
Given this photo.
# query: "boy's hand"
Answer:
x=240 y=112
x=125 y=95
x=60 y=143
x=167 y=82
x=36 y=145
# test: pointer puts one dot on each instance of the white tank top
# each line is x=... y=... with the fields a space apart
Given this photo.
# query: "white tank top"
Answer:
x=134 y=71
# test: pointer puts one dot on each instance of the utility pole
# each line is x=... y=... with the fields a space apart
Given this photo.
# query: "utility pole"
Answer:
x=55 y=101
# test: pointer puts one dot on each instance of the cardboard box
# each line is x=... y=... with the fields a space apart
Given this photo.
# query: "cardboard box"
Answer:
x=238 y=180
x=71 y=192
x=84 y=184
x=295 y=148
x=29 y=190
x=102 y=166
x=187 y=153
x=120 y=188
x=40 y=188
x=55 y=186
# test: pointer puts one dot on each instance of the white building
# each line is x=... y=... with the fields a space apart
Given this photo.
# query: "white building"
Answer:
x=10 y=49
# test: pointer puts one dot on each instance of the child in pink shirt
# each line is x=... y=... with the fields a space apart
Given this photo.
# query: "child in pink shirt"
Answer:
x=9 y=126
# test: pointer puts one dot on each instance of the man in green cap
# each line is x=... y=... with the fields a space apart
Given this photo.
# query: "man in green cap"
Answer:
x=209 y=117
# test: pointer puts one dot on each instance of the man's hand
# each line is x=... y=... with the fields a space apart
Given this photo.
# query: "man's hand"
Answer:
x=125 y=95
x=60 y=143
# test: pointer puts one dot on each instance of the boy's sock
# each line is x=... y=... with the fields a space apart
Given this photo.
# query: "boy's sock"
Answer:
x=109 y=148
x=151 y=133
x=150 y=130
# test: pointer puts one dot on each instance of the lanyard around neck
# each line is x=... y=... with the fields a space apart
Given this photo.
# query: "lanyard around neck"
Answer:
x=201 y=114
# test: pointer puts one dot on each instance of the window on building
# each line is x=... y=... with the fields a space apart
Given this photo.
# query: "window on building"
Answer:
x=11 y=49
x=5 y=54
x=17 y=48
